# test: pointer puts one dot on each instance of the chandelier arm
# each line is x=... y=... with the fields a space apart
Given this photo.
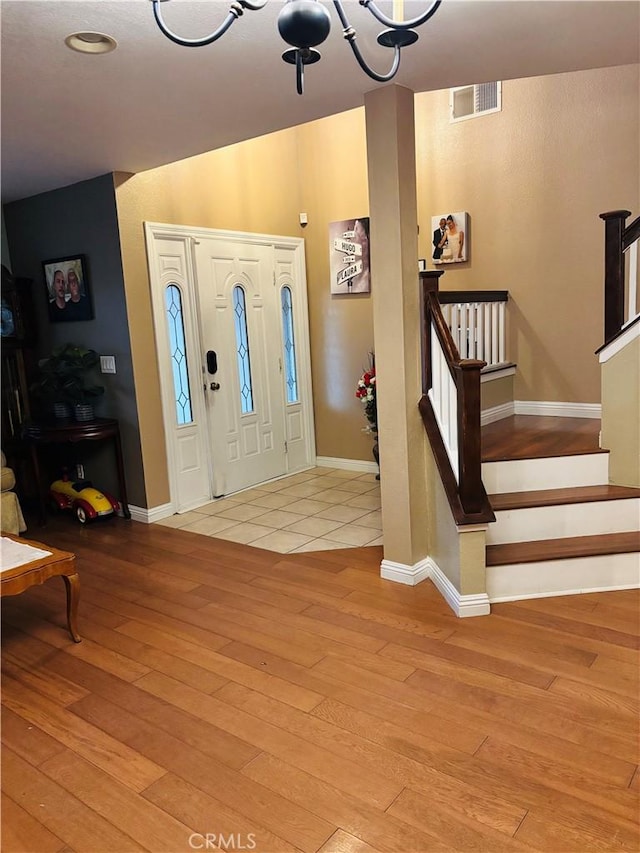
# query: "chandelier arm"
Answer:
x=380 y=78
x=350 y=35
x=224 y=26
x=253 y=7
x=299 y=73
x=400 y=25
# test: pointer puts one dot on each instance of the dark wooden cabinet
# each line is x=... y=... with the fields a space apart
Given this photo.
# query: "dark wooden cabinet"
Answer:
x=18 y=365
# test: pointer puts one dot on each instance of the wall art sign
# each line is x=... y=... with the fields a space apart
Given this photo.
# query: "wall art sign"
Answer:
x=349 y=261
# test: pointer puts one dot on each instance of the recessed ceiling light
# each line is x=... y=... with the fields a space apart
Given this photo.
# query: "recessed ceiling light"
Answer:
x=91 y=42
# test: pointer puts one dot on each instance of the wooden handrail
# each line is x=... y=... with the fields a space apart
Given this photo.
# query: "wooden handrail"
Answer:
x=449 y=297
x=465 y=492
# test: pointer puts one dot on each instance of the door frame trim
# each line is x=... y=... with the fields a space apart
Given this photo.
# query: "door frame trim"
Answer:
x=190 y=234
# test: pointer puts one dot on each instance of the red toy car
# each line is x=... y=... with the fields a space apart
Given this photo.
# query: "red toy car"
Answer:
x=80 y=497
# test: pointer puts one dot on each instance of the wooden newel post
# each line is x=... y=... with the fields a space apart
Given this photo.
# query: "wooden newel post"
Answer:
x=470 y=485
x=429 y=280
x=613 y=272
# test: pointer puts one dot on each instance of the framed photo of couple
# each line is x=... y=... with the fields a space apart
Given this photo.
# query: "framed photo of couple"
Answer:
x=450 y=240
x=67 y=289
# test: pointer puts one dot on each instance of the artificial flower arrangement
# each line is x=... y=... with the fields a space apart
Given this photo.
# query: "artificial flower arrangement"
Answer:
x=366 y=393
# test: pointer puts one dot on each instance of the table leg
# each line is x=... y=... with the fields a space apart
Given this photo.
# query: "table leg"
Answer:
x=121 y=479
x=36 y=470
x=72 y=583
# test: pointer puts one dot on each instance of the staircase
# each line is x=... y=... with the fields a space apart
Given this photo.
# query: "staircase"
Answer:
x=560 y=529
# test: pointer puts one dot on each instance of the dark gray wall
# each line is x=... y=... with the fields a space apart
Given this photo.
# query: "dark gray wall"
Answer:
x=82 y=220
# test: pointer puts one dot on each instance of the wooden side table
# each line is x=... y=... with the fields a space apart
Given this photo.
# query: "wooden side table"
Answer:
x=19 y=578
x=37 y=433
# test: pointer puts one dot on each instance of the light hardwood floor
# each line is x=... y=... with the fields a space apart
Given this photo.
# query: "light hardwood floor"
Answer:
x=298 y=702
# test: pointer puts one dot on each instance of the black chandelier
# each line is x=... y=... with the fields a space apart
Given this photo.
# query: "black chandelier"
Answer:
x=304 y=24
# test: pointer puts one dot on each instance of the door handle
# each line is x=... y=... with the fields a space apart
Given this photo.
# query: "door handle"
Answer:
x=215 y=386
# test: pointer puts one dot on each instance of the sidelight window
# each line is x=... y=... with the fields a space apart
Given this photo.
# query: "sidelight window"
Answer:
x=178 y=350
x=289 y=344
x=242 y=349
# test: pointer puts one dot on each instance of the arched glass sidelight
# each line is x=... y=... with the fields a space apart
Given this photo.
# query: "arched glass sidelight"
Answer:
x=242 y=349
x=178 y=351
x=289 y=344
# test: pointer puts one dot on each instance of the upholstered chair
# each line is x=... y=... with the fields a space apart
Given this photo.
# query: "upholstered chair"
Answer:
x=11 y=518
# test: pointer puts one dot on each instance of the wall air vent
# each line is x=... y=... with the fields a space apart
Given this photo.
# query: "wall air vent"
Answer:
x=471 y=101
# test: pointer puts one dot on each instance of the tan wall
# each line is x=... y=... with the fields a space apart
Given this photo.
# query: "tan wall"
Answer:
x=621 y=414
x=333 y=179
x=252 y=187
x=534 y=178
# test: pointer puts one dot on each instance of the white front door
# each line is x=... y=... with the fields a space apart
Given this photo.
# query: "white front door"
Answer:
x=240 y=332
x=243 y=316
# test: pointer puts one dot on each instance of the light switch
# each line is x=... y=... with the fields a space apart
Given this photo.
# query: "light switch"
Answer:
x=107 y=364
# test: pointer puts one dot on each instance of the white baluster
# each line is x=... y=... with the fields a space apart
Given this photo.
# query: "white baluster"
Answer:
x=480 y=332
x=435 y=369
x=453 y=426
x=494 y=333
x=455 y=322
x=501 y=334
x=487 y=333
x=446 y=310
x=473 y=308
x=632 y=304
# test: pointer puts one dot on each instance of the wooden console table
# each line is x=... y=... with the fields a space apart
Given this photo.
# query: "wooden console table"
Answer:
x=37 y=433
x=19 y=578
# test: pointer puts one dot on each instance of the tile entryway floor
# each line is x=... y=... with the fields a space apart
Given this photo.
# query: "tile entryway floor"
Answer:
x=316 y=510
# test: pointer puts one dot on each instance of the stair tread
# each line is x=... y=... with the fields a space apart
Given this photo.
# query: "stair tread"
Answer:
x=527 y=454
x=557 y=497
x=560 y=549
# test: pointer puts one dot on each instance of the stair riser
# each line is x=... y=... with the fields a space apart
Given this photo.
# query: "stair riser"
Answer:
x=563 y=577
x=556 y=522
x=557 y=472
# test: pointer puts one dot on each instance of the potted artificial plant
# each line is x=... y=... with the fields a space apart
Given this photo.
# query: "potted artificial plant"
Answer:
x=65 y=382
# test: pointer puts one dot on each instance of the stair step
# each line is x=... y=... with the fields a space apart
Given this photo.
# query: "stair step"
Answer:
x=551 y=472
x=558 y=497
x=561 y=549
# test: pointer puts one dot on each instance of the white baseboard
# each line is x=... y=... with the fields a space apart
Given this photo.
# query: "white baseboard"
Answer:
x=497 y=413
x=535 y=407
x=148 y=516
x=558 y=410
x=462 y=605
x=347 y=464
x=403 y=573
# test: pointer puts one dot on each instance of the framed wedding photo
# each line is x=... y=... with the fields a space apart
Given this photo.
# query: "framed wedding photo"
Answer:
x=450 y=243
x=67 y=289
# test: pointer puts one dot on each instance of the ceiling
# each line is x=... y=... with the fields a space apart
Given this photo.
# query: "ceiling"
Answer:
x=67 y=116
